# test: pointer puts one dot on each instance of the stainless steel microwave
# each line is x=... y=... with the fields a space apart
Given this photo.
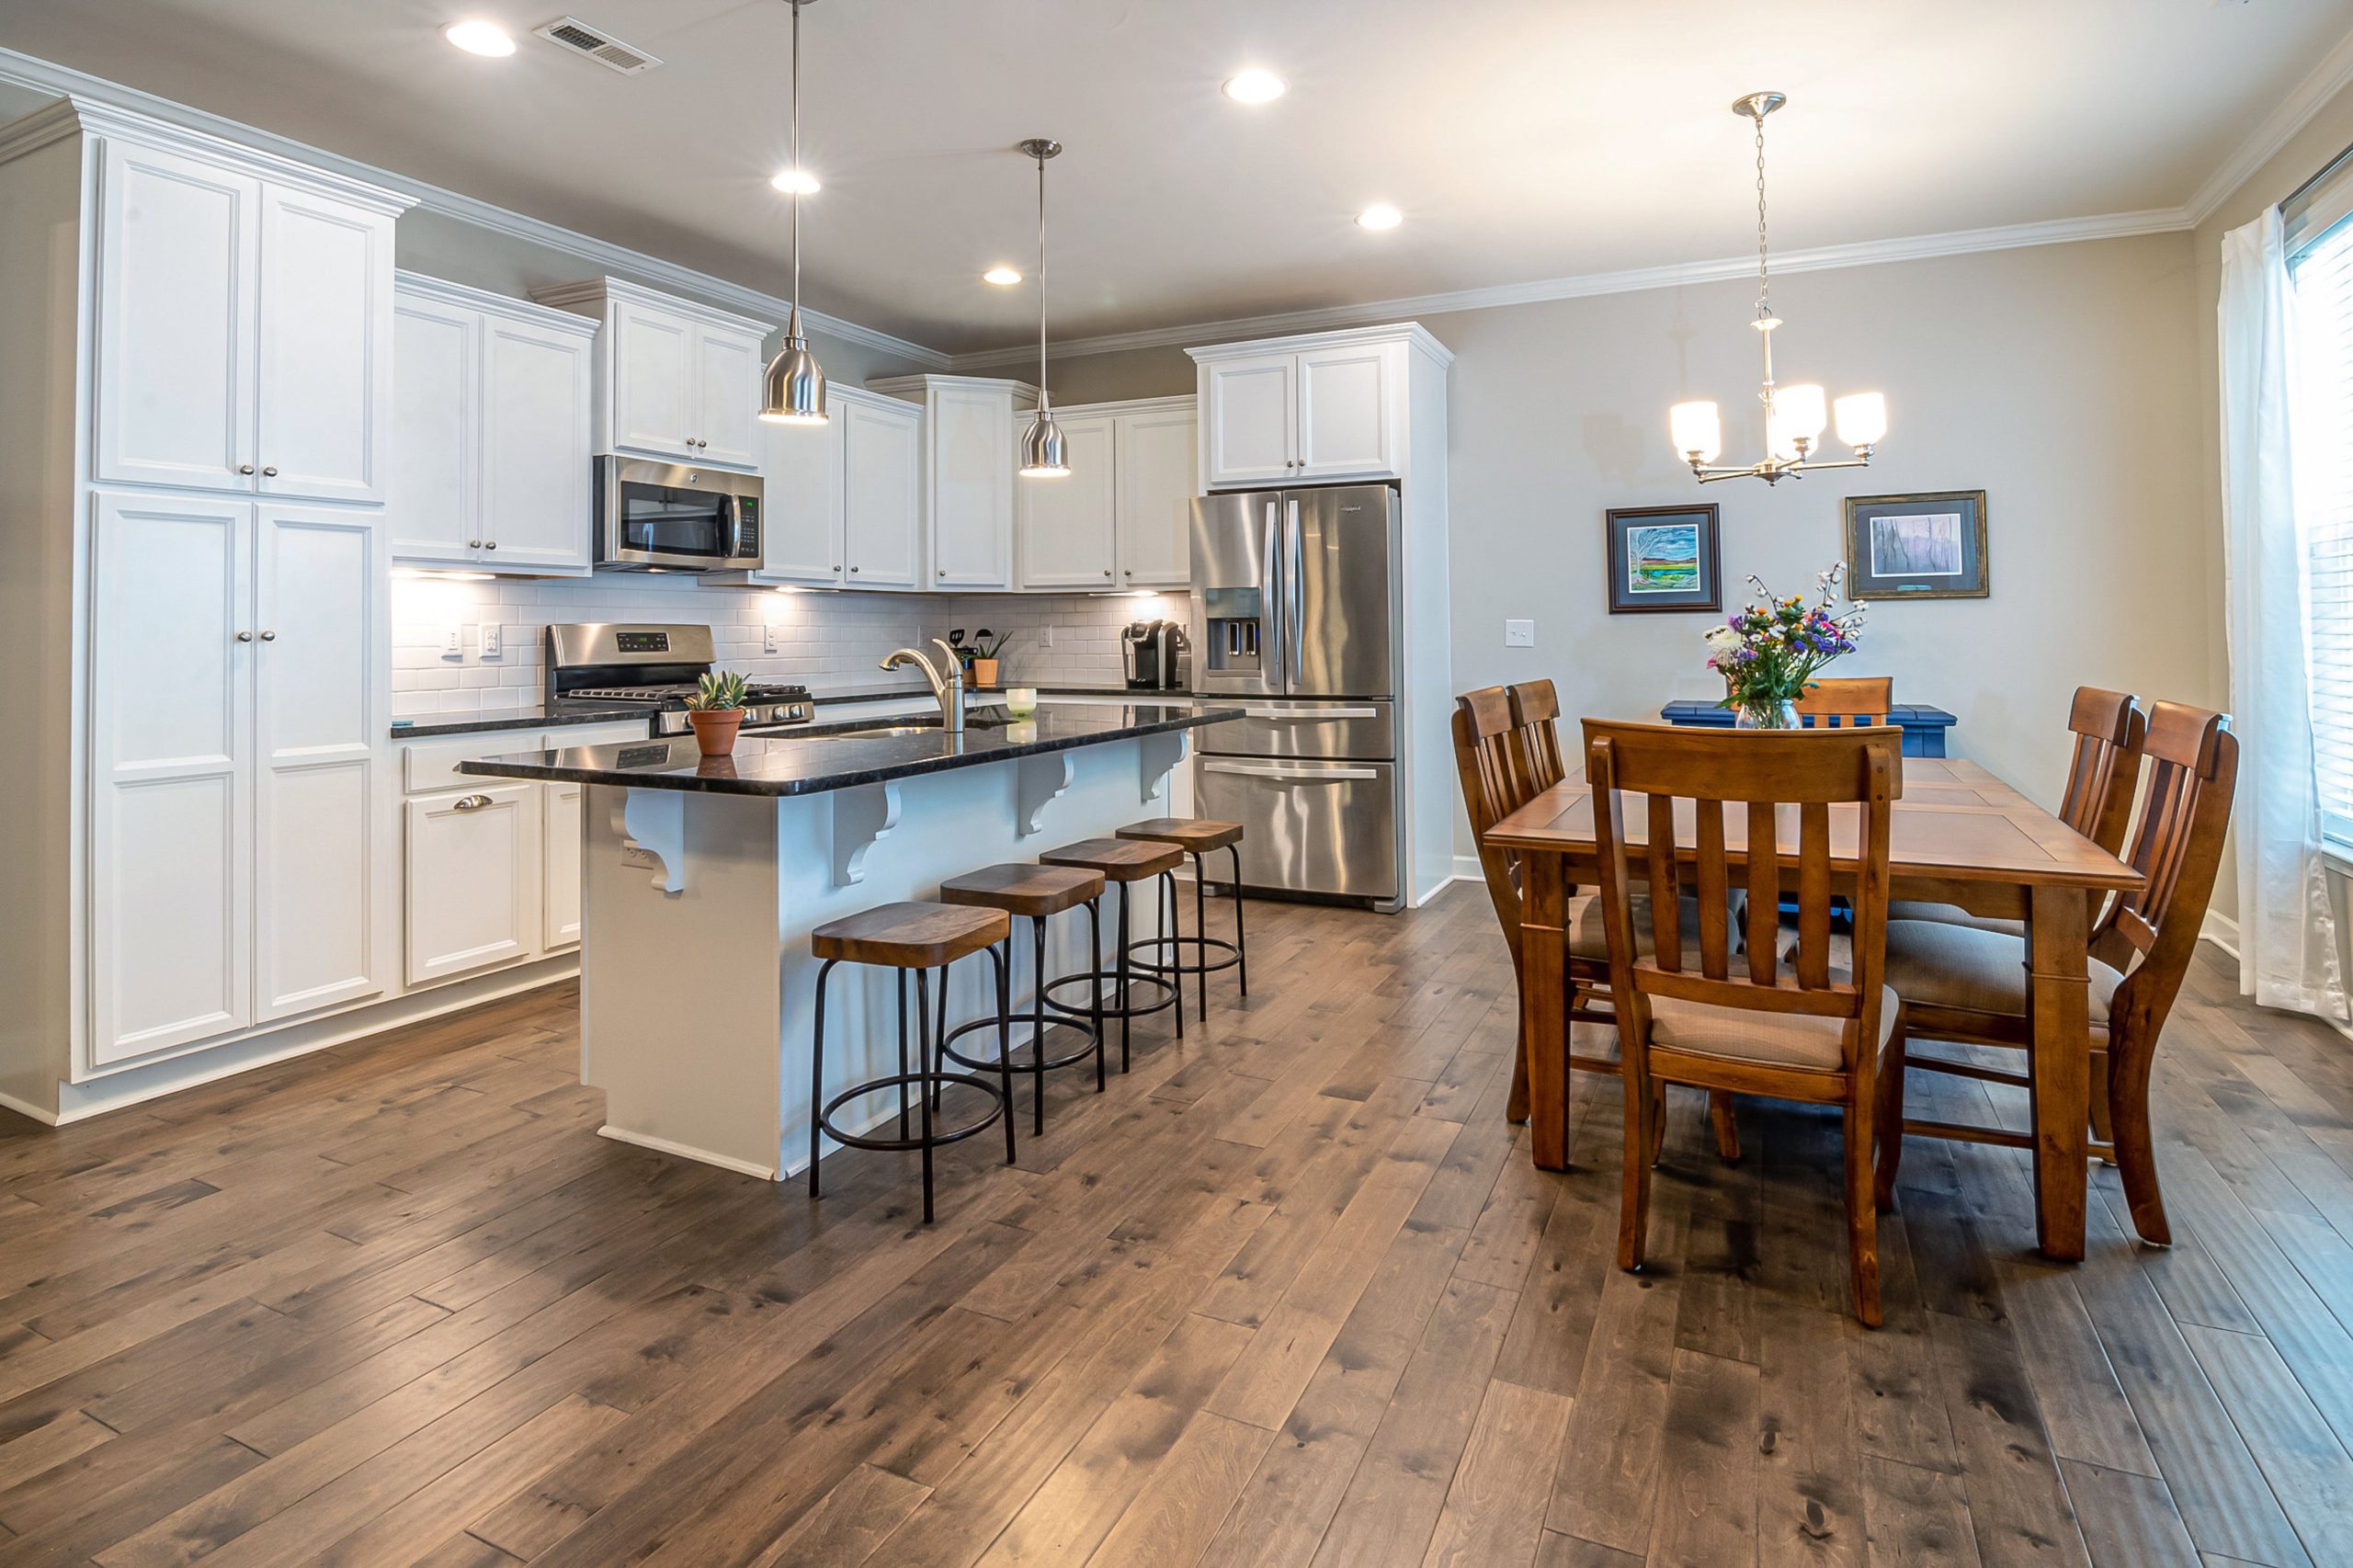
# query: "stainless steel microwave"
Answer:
x=656 y=516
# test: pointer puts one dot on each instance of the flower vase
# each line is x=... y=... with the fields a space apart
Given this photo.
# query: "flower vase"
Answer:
x=1767 y=713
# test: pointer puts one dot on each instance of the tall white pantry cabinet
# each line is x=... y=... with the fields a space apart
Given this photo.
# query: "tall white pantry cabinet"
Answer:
x=196 y=375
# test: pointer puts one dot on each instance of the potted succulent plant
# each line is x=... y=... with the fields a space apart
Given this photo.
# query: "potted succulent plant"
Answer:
x=716 y=711
x=984 y=650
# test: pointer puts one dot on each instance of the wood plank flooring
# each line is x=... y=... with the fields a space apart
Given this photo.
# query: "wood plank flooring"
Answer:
x=1290 y=1292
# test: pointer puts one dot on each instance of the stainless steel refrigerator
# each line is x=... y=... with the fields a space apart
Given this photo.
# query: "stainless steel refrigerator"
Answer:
x=1296 y=616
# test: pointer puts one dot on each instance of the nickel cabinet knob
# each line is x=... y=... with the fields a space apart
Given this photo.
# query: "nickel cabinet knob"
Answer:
x=245 y=468
x=269 y=636
x=244 y=636
x=269 y=472
x=489 y=544
x=853 y=570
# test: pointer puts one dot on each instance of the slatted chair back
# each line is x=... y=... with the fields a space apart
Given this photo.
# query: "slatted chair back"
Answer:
x=2105 y=772
x=1489 y=761
x=2178 y=848
x=1535 y=713
x=1762 y=782
x=1834 y=703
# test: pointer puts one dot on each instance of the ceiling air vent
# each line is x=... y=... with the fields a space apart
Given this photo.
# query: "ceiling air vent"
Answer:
x=609 y=53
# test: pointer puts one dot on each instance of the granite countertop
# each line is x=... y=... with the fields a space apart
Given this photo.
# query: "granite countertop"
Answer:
x=531 y=716
x=810 y=759
x=992 y=693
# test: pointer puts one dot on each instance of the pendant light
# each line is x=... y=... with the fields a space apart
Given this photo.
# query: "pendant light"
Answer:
x=796 y=385
x=1042 y=444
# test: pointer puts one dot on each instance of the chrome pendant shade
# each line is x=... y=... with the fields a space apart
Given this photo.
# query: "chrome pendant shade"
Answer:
x=1794 y=415
x=796 y=383
x=1042 y=456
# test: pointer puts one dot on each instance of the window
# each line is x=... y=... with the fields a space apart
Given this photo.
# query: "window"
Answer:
x=2320 y=263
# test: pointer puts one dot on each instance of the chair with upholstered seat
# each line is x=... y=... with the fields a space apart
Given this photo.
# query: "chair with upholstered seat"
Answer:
x=1687 y=1013
x=1968 y=984
x=1851 y=702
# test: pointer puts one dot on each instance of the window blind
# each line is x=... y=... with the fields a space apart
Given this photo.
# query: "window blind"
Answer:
x=2322 y=270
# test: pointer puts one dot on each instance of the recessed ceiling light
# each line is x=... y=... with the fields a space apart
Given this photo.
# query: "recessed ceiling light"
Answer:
x=1381 y=217
x=486 y=38
x=796 y=182
x=1003 y=277
x=1255 y=86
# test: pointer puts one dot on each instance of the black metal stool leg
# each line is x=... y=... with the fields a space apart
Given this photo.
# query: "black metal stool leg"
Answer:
x=817 y=1075
x=1172 y=940
x=1003 y=955
x=903 y=1053
x=1241 y=947
x=1038 y=1025
x=1095 y=952
x=1127 y=1019
x=1202 y=927
x=923 y=1036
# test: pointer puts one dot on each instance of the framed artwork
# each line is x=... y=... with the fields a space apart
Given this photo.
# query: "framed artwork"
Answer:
x=1663 y=558
x=1918 y=547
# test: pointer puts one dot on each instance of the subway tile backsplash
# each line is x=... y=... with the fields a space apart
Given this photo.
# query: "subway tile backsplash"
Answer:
x=826 y=641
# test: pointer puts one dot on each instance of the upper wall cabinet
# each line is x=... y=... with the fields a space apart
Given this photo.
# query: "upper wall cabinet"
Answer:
x=971 y=426
x=675 y=380
x=1329 y=406
x=1122 y=518
x=843 y=500
x=244 y=330
x=491 y=446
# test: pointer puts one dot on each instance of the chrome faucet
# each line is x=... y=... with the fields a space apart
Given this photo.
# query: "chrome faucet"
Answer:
x=948 y=690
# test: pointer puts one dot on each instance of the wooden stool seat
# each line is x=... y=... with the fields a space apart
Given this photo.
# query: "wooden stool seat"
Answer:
x=1194 y=835
x=1033 y=890
x=1119 y=860
x=910 y=935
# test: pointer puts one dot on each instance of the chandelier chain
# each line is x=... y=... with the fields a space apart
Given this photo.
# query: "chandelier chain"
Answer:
x=1764 y=279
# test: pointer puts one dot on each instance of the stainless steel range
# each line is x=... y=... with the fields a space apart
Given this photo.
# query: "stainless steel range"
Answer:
x=610 y=665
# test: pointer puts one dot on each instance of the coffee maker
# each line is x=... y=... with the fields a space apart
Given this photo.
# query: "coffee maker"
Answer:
x=1154 y=652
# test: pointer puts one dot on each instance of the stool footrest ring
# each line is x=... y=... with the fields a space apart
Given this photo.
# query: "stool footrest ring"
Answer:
x=1112 y=1008
x=1200 y=965
x=1084 y=1053
x=920 y=1082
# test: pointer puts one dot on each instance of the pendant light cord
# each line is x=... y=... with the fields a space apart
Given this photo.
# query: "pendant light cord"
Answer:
x=798 y=178
x=1042 y=278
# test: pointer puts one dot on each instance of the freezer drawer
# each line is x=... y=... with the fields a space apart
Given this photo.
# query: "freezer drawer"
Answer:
x=1349 y=729
x=1316 y=827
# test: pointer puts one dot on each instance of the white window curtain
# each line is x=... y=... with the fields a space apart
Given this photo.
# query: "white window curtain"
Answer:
x=2287 y=935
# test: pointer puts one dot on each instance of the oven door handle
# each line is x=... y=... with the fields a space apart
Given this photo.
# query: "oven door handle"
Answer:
x=1291 y=773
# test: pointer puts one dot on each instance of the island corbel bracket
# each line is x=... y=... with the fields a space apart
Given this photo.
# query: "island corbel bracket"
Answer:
x=1039 y=781
x=863 y=815
x=654 y=821
x=1156 y=755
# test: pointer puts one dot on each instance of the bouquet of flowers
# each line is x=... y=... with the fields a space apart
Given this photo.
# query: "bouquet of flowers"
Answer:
x=1769 y=651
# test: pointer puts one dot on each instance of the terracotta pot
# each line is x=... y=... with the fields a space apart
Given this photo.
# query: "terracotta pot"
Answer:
x=984 y=673
x=715 y=729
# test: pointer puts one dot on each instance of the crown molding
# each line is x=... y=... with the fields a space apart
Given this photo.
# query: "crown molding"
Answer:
x=601 y=256
x=1868 y=253
x=596 y=295
x=547 y=318
x=2331 y=76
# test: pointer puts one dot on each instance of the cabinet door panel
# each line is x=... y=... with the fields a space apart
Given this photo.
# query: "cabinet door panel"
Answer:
x=1157 y=459
x=474 y=880
x=882 y=488
x=1343 y=411
x=316 y=724
x=178 y=240
x=1066 y=523
x=971 y=489
x=560 y=839
x=801 y=500
x=434 y=499
x=536 y=446
x=653 y=374
x=170 y=782
x=728 y=369
x=1252 y=405
x=325 y=354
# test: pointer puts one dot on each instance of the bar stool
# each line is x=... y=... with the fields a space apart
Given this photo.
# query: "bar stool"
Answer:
x=1199 y=837
x=1034 y=891
x=915 y=937
x=1122 y=862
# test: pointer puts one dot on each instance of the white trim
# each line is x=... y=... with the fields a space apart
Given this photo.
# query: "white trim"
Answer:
x=77 y=115
x=41 y=75
x=416 y=285
x=687 y=1151
x=26 y=1109
x=2221 y=930
x=596 y=295
x=1867 y=252
x=1412 y=332
x=2291 y=115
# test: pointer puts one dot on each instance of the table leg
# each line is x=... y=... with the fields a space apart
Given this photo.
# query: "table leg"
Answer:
x=2059 y=995
x=1543 y=1007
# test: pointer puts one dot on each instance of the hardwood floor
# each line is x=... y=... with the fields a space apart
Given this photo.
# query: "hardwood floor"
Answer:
x=1290 y=1292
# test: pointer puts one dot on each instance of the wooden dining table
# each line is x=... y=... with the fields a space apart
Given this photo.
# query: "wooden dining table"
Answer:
x=1959 y=835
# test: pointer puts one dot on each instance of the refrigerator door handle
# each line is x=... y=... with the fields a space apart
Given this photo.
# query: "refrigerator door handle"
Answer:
x=1305 y=715
x=1297 y=607
x=1271 y=598
x=1290 y=773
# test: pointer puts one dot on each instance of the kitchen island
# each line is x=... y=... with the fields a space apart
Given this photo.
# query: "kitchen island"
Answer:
x=703 y=878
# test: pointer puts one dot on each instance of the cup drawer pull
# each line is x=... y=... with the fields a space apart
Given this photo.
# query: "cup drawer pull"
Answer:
x=470 y=804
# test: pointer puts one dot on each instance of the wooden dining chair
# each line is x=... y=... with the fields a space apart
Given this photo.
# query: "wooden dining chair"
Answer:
x=1685 y=1014
x=1836 y=703
x=2103 y=775
x=1965 y=984
x=1535 y=714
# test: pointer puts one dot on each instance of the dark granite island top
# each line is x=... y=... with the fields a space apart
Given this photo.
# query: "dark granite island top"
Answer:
x=812 y=760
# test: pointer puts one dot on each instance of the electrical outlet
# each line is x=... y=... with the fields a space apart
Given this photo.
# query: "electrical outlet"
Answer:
x=1045 y=636
x=768 y=638
x=489 y=638
x=453 y=643
x=1519 y=634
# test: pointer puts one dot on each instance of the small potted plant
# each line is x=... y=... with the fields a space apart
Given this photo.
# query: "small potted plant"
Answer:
x=716 y=711
x=1768 y=651
x=985 y=648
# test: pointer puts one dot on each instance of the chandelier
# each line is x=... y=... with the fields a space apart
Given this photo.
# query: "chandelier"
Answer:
x=1793 y=414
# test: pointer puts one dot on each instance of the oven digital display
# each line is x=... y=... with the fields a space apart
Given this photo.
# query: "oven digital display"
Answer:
x=642 y=641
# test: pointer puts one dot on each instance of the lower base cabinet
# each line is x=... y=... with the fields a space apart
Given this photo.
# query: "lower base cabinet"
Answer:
x=560 y=809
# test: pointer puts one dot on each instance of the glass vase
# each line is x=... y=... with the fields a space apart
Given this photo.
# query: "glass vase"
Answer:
x=1767 y=713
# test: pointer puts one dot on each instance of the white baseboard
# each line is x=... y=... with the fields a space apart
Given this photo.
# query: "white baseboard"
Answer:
x=689 y=1151
x=26 y=1109
x=2222 y=931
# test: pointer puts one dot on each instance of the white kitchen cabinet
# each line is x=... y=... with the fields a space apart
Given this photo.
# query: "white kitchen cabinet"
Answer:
x=235 y=721
x=802 y=526
x=675 y=380
x=473 y=880
x=1155 y=458
x=883 y=451
x=245 y=327
x=491 y=436
x=1325 y=407
x=970 y=427
x=1066 y=524
x=560 y=836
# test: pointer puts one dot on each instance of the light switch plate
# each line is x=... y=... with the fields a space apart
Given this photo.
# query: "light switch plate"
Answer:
x=1519 y=634
x=454 y=641
x=489 y=638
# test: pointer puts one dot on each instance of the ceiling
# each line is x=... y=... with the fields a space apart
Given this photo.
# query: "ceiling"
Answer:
x=1522 y=139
